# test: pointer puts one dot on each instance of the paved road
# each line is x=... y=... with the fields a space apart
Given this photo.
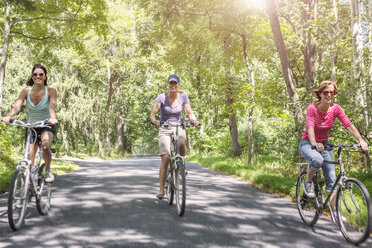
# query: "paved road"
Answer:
x=113 y=204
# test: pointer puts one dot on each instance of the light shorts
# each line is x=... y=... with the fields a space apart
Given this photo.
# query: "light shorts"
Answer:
x=164 y=138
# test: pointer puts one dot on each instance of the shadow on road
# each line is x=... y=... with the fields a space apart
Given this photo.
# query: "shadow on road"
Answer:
x=113 y=204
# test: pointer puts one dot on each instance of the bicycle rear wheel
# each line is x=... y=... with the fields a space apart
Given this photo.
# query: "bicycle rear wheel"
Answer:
x=180 y=187
x=17 y=200
x=354 y=211
x=307 y=207
x=45 y=193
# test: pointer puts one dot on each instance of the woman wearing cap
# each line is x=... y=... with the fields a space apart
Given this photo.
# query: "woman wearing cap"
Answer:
x=320 y=118
x=170 y=105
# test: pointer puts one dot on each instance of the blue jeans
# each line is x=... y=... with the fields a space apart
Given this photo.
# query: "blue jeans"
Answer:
x=316 y=162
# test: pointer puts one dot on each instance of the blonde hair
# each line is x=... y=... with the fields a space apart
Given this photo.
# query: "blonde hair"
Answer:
x=322 y=86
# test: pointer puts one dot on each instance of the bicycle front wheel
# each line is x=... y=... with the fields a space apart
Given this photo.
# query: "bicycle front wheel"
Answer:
x=169 y=190
x=307 y=207
x=17 y=200
x=45 y=193
x=354 y=211
x=180 y=187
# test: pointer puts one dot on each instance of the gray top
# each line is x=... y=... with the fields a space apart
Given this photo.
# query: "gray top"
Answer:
x=168 y=113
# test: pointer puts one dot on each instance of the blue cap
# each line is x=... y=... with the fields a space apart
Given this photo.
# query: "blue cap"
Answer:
x=173 y=77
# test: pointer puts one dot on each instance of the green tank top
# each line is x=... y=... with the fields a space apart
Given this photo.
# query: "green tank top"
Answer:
x=40 y=111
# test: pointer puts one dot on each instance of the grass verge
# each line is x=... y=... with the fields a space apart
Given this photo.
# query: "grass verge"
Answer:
x=274 y=175
x=58 y=168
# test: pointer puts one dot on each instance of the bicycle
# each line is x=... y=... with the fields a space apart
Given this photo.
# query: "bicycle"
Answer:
x=175 y=182
x=28 y=182
x=353 y=204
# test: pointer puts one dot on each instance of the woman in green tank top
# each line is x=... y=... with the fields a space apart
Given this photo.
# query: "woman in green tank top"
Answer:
x=41 y=103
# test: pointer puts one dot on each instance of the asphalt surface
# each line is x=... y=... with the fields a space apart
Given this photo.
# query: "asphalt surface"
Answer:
x=113 y=204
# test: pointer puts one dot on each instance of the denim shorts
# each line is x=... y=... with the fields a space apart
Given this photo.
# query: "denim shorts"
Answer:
x=316 y=162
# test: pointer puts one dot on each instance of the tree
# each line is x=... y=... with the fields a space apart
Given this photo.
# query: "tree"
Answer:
x=358 y=62
x=286 y=68
x=35 y=21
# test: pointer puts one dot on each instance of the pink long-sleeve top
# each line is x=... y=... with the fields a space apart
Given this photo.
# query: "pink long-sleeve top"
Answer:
x=322 y=123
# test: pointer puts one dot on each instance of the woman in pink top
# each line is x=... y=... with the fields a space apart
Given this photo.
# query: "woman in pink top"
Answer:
x=320 y=117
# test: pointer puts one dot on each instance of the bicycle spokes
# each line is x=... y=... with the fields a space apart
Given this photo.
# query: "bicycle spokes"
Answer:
x=353 y=211
x=307 y=207
x=17 y=200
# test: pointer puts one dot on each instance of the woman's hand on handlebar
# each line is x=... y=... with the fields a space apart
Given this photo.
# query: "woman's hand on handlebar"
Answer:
x=7 y=119
x=363 y=145
x=319 y=147
x=53 y=121
x=196 y=123
x=156 y=123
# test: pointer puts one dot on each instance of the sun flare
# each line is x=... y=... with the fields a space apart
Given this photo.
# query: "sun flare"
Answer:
x=255 y=3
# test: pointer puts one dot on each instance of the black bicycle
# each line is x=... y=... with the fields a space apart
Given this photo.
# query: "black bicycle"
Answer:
x=353 y=205
x=175 y=182
x=28 y=182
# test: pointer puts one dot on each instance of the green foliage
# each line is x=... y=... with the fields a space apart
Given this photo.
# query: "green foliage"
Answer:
x=6 y=150
x=112 y=60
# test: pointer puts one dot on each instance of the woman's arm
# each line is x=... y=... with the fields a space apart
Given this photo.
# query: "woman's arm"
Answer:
x=154 y=111
x=354 y=131
x=52 y=106
x=191 y=115
x=17 y=106
x=311 y=134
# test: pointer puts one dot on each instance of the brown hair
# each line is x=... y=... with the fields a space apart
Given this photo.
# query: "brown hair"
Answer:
x=30 y=82
x=322 y=86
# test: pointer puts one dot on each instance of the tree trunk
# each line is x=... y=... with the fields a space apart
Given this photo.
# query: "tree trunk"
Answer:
x=369 y=134
x=4 y=49
x=110 y=91
x=119 y=126
x=358 y=62
x=232 y=116
x=335 y=37
x=310 y=55
x=101 y=150
x=198 y=93
x=250 y=110
x=287 y=71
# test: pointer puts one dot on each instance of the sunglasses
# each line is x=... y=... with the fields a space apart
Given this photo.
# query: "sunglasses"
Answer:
x=328 y=92
x=38 y=74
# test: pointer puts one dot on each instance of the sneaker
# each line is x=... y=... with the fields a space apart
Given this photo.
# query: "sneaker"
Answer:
x=335 y=217
x=309 y=189
x=160 y=196
x=49 y=177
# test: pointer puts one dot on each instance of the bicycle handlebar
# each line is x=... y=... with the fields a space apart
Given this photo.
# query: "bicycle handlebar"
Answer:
x=169 y=124
x=37 y=124
x=331 y=146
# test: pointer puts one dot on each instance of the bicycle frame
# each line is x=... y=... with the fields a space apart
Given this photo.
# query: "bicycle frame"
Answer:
x=177 y=155
x=25 y=163
x=176 y=171
x=21 y=189
x=340 y=178
x=352 y=210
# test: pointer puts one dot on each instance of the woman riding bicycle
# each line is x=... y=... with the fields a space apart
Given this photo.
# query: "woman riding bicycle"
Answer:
x=320 y=118
x=41 y=103
x=170 y=105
